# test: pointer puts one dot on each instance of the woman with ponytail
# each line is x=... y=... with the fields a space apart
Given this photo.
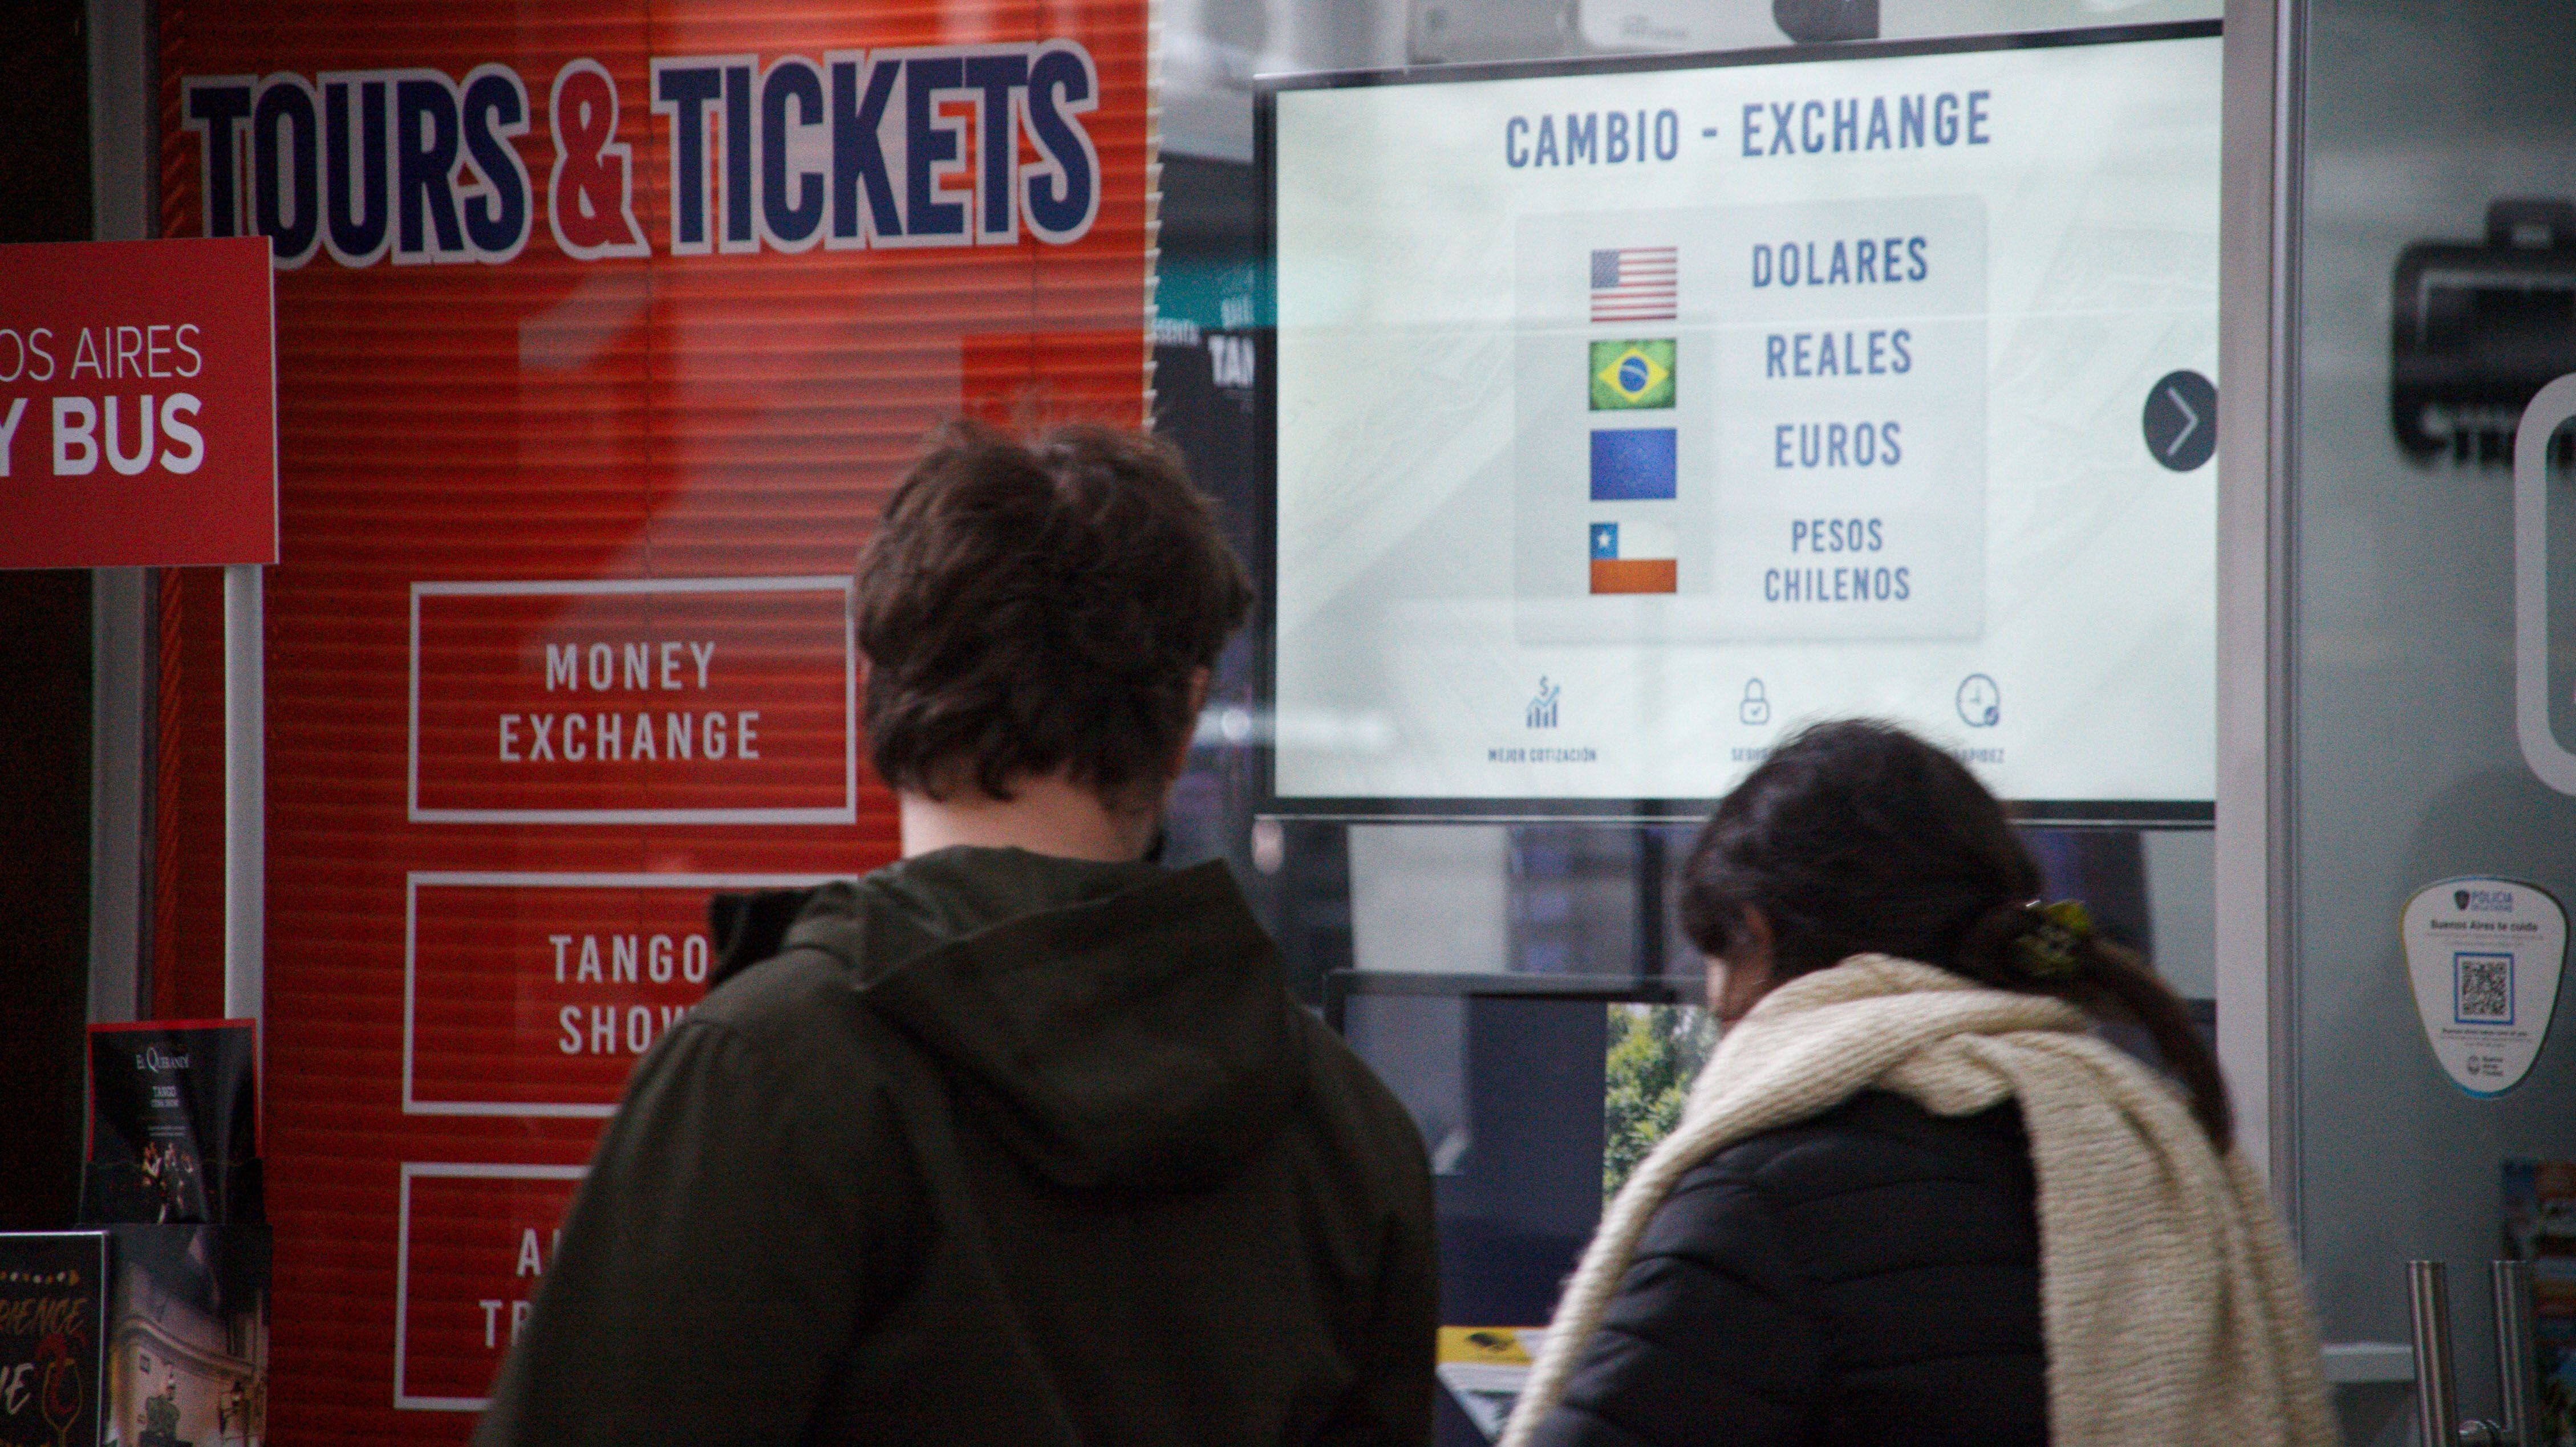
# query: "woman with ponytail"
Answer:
x=1913 y=1196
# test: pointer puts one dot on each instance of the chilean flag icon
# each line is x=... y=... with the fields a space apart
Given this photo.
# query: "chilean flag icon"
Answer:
x=1634 y=556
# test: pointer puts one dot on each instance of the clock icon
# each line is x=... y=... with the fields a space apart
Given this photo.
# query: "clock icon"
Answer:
x=1981 y=703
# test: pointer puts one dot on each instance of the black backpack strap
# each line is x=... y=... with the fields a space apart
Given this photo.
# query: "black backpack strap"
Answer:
x=749 y=928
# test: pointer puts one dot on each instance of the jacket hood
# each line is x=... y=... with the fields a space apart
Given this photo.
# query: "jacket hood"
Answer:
x=1116 y=1025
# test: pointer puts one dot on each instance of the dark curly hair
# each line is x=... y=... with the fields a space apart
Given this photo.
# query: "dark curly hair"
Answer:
x=1033 y=607
x=1859 y=838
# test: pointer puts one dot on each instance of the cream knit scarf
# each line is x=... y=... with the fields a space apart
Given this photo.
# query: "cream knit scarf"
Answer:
x=2172 y=1310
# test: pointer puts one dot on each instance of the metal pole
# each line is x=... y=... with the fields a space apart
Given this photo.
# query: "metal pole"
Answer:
x=2517 y=1332
x=2437 y=1402
x=124 y=627
x=124 y=154
x=124 y=631
x=245 y=792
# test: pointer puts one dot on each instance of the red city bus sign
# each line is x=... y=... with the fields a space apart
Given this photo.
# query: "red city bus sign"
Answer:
x=138 y=416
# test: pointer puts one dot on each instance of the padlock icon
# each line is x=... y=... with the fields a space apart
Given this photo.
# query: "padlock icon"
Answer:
x=1756 y=709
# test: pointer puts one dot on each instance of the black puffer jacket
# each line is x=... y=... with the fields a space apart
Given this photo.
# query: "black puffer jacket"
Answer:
x=1870 y=1275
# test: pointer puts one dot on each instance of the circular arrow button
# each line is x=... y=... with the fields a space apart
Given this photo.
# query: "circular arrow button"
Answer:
x=2181 y=420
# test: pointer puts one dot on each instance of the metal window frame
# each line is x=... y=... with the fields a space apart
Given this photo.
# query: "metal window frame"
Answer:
x=1341 y=985
x=2261 y=185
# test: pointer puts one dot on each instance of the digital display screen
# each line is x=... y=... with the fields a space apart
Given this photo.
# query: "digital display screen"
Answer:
x=1630 y=415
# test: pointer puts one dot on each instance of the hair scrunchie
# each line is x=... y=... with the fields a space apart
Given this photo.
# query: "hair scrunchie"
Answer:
x=2039 y=939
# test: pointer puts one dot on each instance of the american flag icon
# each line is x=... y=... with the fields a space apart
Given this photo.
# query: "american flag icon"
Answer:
x=1635 y=284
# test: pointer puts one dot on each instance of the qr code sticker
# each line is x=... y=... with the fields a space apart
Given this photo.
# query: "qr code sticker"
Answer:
x=2485 y=988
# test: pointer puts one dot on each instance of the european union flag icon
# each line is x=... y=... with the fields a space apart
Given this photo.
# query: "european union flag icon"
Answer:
x=1633 y=464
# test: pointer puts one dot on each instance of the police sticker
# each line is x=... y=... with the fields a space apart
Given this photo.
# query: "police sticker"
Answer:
x=2484 y=956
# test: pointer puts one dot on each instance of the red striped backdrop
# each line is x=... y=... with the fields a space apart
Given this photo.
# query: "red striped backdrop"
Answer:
x=548 y=419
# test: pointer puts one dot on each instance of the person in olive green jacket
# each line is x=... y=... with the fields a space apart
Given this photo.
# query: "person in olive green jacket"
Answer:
x=1021 y=1139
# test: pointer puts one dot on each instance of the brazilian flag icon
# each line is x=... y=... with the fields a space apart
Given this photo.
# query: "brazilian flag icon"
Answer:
x=1627 y=376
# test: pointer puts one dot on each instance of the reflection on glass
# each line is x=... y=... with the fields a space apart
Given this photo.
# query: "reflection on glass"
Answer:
x=1654 y=1053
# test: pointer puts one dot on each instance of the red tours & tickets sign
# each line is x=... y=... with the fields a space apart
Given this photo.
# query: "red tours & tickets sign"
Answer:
x=603 y=330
